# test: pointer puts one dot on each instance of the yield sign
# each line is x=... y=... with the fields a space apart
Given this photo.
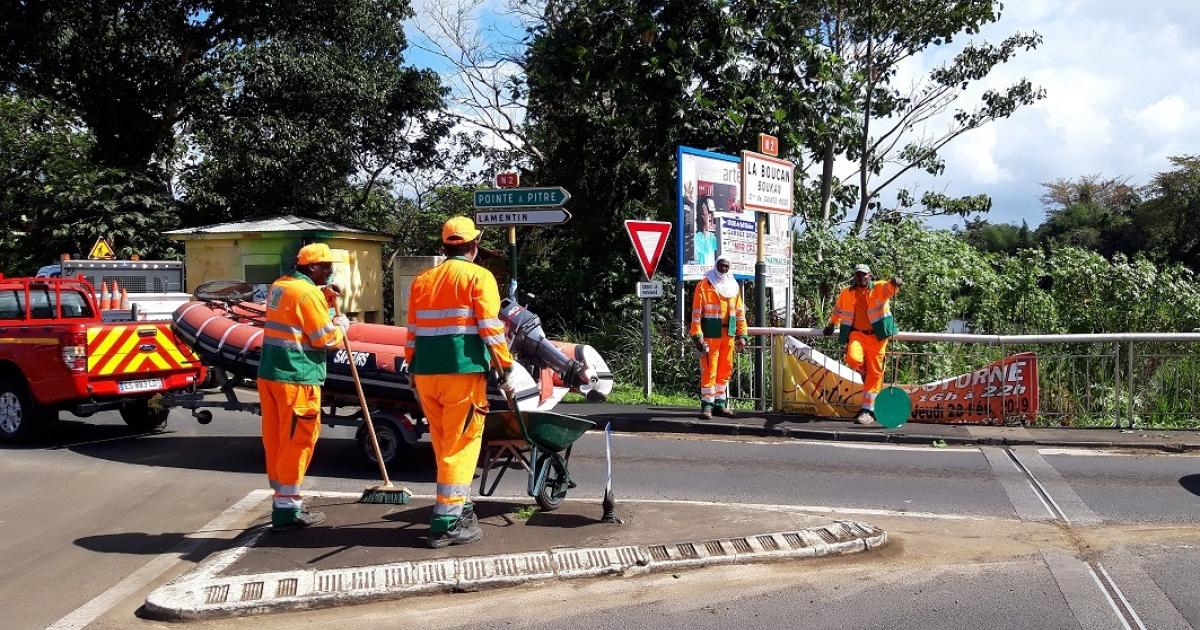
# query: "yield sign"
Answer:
x=649 y=240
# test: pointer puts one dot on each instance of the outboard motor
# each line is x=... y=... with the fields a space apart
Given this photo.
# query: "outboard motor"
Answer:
x=526 y=339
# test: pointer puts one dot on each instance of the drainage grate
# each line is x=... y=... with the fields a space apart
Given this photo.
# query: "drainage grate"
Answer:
x=794 y=540
x=741 y=545
x=768 y=543
x=287 y=587
x=362 y=579
x=714 y=548
x=659 y=552
x=216 y=594
x=329 y=582
x=687 y=550
x=252 y=590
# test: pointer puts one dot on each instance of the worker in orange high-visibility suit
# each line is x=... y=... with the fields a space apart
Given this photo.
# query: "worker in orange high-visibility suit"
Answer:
x=718 y=328
x=863 y=313
x=300 y=326
x=454 y=330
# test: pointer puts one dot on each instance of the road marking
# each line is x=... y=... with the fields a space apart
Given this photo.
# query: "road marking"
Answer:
x=102 y=603
x=1029 y=504
x=1140 y=591
x=1085 y=602
x=1108 y=597
x=771 y=507
x=1029 y=481
x=1132 y=614
x=1088 y=452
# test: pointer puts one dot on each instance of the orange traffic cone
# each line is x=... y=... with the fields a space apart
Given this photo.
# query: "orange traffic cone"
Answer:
x=124 y=299
x=105 y=300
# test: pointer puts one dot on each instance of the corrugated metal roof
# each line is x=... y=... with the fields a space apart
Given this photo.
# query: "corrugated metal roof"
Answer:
x=285 y=223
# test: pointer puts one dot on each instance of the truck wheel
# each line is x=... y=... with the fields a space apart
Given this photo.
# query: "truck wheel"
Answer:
x=140 y=416
x=17 y=416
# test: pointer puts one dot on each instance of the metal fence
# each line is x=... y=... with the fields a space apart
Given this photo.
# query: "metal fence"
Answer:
x=1144 y=380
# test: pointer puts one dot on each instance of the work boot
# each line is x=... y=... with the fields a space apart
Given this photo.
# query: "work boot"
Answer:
x=283 y=520
x=866 y=416
x=706 y=411
x=722 y=410
x=462 y=533
x=468 y=515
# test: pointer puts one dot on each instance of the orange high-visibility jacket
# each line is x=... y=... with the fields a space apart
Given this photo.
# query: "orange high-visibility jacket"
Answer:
x=453 y=320
x=714 y=316
x=298 y=329
x=879 y=311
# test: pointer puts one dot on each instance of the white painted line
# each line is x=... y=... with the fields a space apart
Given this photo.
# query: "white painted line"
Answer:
x=1116 y=589
x=102 y=603
x=766 y=507
x=793 y=442
x=1085 y=452
x=1111 y=603
x=1042 y=499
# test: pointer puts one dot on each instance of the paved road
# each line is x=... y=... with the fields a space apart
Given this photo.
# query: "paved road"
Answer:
x=89 y=505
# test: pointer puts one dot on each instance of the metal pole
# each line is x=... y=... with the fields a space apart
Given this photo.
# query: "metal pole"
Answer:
x=1117 y=385
x=760 y=308
x=646 y=364
x=512 y=253
x=1130 y=383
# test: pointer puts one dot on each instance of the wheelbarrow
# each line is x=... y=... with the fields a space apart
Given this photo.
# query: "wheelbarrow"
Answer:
x=541 y=442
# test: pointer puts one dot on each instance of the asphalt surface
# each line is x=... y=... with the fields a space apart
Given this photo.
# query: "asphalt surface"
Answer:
x=88 y=505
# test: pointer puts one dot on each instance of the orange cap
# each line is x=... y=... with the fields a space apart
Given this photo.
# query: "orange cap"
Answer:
x=314 y=253
x=459 y=230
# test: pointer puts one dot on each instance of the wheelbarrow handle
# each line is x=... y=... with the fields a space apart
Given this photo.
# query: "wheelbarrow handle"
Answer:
x=512 y=401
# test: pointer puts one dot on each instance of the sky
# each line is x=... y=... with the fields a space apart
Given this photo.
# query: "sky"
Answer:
x=1122 y=83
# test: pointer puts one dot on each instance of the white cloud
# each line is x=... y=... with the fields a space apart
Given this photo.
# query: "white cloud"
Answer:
x=976 y=152
x=1166 y=116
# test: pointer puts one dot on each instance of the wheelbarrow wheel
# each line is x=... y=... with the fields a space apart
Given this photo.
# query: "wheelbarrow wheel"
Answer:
x=546 y=499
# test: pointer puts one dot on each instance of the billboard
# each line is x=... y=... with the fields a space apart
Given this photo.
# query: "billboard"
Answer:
x=711 y=221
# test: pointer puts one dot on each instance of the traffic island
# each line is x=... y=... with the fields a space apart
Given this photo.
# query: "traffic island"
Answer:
x=366 y=553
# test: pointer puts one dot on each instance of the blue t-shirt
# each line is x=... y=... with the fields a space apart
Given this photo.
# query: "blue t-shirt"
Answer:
x=706 y=247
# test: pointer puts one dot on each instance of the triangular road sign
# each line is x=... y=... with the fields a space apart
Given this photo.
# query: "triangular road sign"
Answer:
x=102 y=250
x=649 y=240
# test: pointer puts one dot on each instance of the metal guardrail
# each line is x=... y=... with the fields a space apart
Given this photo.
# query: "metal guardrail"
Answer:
x=1122 y=380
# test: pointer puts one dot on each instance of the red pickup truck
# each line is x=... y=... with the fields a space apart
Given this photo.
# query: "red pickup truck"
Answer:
x=57 y=353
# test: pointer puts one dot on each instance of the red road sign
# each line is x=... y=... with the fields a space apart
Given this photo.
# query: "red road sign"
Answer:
x=768 y=144
x=508 y=180
x=649 y=240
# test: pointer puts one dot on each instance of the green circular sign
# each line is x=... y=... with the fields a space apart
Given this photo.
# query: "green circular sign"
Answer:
x=892 y=407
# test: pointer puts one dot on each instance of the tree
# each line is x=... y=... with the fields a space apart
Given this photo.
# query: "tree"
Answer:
x=1090 y=212
x=1168 y=218
x=54 y=200
x=301 y=106
x=875 y=38
x=994 y=237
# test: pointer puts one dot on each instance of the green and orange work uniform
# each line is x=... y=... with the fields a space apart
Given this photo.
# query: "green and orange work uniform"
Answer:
x=453 y=331
x=720 y=322
x=864 y=317
x=299 y=328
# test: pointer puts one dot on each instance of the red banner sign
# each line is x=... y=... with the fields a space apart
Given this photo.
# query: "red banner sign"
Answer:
x=1006 y=390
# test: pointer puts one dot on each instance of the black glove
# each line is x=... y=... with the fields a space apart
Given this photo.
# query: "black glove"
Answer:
x=828 y=332
x=698 y=343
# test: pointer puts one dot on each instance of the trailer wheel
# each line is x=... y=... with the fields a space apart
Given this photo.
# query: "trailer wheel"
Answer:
x=395 y=440
x=17 y=415
x=139 y=415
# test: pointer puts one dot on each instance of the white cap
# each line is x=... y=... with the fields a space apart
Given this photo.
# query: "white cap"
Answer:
x=862 y=269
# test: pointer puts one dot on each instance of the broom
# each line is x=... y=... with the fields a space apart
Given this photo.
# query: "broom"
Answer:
x=387 y=493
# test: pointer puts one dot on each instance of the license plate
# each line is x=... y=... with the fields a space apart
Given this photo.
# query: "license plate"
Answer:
x=142 y=385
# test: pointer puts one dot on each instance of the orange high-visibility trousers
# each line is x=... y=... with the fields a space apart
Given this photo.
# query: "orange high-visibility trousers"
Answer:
x=291 y=423
x=454 y=405
x=864 y=354
x=716 y=366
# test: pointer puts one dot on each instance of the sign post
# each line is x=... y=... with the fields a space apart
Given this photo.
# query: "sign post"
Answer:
x=649 y=239
x=767 y=186
x=511 y=206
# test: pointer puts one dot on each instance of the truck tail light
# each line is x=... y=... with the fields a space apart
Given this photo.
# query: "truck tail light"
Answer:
x=74 y=352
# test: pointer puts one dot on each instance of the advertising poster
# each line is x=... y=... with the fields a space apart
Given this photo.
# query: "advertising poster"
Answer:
x=711 y=220
x=1006 y=390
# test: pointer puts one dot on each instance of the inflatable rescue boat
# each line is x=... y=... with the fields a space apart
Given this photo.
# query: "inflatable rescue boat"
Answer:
x=228 y=333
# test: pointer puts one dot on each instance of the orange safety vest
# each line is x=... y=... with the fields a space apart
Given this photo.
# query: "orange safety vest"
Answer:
x=879 y=311
x=454 y=320
x=715 y=317
x=298 y=329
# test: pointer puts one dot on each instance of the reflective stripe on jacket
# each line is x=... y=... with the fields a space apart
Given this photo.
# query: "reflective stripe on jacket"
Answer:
x=715 y=317
x=879 y=311
x=298 y=329
x=454 y=320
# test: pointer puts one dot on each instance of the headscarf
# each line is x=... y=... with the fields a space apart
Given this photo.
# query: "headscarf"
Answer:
x=725 y=284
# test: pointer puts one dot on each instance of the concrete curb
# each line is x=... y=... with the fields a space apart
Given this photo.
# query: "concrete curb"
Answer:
x=203 y=594
x=667 y=425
